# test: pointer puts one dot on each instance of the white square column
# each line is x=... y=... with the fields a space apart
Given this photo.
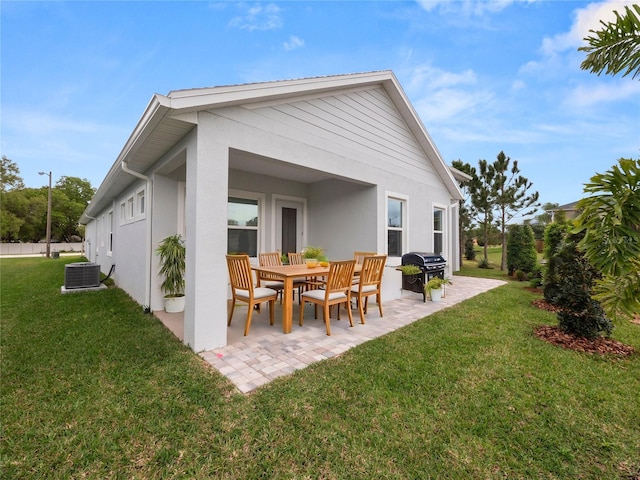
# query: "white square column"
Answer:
x=205 y=316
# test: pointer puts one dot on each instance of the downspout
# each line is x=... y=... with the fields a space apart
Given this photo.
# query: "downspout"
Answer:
x=126 y=169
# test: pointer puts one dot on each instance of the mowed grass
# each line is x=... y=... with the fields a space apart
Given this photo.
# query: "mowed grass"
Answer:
x=94 y=388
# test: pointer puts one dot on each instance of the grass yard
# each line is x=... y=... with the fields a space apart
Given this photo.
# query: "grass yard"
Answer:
x=94 y=388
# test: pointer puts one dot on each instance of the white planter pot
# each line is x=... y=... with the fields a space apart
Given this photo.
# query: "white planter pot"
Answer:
x=436 y=294
x=174 y=304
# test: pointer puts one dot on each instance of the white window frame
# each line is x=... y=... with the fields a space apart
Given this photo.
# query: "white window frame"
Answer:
x=445 y=241
x=260 y=228
x=141 y=204
x=123 y=212
x=131 y=205
x=404 y=229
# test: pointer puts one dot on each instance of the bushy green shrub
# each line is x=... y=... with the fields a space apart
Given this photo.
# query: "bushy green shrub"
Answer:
x=521 y=249
x=484 y=263
x=554 y=235
x=469 y=250
x=535 y=282
x=535 y=277
x=580 y=315
x=521 y=276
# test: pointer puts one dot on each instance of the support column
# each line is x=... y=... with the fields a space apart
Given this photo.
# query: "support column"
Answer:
x=205 y=316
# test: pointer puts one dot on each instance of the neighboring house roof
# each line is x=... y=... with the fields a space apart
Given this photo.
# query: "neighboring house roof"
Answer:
x=567 y=207
x=167 y=119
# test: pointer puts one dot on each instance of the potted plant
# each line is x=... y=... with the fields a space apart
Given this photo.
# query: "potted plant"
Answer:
x=412 y=278
x=410 y=269
x=434 y=286
x=172 y=265
x=313 y=254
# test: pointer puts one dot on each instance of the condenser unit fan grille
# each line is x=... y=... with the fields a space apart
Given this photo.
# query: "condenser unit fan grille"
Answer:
x=81 y=275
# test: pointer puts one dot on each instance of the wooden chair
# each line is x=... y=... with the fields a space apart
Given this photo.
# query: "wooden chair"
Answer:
x=369 y=284
x=243 y=290
x=271 y=259
x=337 y=291
x=301 y=282
x=360 y=256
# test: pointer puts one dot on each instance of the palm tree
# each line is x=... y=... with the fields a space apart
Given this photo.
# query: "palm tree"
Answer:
x=616 y=47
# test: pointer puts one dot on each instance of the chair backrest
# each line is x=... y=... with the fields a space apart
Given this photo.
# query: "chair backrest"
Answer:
x=372 y=270
x=360 y=256
x=240 y=272
x=295 y=259
x=269 y=259
x=340 y=276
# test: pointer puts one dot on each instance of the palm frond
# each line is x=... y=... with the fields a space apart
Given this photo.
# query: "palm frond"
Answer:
x=616 y=47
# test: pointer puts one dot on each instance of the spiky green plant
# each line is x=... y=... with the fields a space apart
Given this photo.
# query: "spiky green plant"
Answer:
x=172 y=254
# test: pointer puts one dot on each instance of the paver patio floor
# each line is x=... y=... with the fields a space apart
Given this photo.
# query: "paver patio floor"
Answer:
x=266 y=353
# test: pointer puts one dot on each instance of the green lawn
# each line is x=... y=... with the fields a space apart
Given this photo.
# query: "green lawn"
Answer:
x=94 y=388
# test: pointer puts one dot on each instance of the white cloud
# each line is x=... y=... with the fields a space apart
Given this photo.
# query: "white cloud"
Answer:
x=589 y=95
x=293 y=43
x=587 y=18
x=258 y=17
x=468 y=7
x=442 y=95
x=428 y=77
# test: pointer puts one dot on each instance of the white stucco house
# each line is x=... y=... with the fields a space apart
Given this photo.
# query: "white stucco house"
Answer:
x=341 y=162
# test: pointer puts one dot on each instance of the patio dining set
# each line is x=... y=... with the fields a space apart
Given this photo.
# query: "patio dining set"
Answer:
x=324 y=284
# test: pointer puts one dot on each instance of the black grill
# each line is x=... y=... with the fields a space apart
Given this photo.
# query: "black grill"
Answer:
x=431 y=264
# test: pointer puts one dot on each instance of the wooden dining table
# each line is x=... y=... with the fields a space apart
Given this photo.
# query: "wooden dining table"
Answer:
x=287 y=273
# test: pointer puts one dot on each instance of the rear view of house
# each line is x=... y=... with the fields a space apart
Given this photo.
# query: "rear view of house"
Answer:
x=341 y=162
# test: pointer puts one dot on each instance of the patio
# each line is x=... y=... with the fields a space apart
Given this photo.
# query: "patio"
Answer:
x=266 y=353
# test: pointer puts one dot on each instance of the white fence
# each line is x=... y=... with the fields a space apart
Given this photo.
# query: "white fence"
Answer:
x=38 y=248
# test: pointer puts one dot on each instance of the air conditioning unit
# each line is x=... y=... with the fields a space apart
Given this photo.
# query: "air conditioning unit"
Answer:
x=81 y=275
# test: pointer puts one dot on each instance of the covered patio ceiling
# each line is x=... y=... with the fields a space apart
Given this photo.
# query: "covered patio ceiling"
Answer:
x=260 y=165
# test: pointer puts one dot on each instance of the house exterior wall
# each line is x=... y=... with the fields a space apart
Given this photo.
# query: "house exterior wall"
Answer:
x=344 y=217
x=357 y=137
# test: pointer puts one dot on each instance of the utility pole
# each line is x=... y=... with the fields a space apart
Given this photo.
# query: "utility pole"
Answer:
x=48 y=216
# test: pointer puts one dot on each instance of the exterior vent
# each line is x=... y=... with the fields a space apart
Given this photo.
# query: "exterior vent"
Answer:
x=81 y=275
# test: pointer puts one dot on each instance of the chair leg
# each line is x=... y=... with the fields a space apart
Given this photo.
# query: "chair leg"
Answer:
x=350 y=315
x=327 y=319
x=301 y=314
x=360 y=309
x=366 y=302
x=233 y=306
x=379 y=300
x=272 y=306
x=247 y=325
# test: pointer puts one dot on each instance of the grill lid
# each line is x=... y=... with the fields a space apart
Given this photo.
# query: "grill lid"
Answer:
x=422 y=259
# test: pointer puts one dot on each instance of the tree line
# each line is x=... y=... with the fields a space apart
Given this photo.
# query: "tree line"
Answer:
x=495 y=194
x=23 y=216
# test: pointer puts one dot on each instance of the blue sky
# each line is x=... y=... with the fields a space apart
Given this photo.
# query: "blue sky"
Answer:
x=484 y=76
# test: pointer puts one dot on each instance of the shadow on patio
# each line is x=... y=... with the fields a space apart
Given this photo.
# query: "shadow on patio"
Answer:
x=267 y=353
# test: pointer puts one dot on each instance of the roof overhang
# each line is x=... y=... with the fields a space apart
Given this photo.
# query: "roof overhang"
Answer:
x=167 y=119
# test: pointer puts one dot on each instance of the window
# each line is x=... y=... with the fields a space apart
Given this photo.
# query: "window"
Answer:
x=110 y=233
x=438 y=231
x=242 y=221
x=140 y=204
x=130 y=208
x=396 y=226
x=123 y=213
